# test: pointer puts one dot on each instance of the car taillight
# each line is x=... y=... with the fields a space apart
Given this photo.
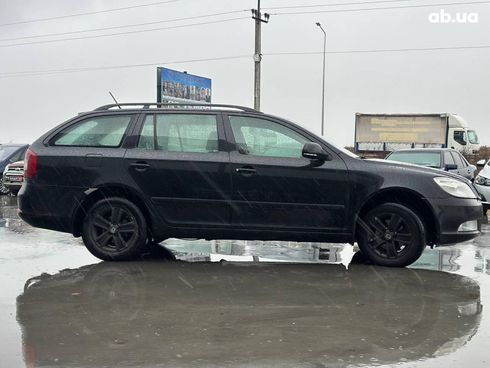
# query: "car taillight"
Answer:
x=30 y=164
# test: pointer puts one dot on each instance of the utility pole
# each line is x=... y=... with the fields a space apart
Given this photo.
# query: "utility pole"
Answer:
x=257 y=16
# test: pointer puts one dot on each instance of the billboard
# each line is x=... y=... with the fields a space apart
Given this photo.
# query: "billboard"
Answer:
x=182 y=87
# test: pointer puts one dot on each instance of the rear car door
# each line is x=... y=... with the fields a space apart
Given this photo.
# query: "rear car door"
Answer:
x=87 y=152
x=274 y=187
x=180 y=165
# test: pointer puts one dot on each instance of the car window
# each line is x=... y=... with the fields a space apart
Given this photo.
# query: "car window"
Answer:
x=457 y=159
x=260 y=137
x=428 y=159
x=102 y=131
x=460 y=137
x=6 y=151
x=19 y=155
x=473 y=137
x=448 y=158
x=196 y=133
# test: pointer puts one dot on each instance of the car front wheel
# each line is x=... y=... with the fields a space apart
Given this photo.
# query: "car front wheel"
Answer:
x=115 y=230
x=391 y=235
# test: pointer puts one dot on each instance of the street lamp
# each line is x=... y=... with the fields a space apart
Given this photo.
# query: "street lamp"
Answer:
x=323 y=88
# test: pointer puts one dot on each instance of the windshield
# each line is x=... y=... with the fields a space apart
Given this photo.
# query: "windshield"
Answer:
x=473 y=137
x=6 y=151
x=428 y=159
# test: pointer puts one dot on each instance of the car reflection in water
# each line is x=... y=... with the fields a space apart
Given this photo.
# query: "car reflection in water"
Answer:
x=174 y=313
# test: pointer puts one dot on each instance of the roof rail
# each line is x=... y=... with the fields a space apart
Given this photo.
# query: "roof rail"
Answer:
x=146 y=105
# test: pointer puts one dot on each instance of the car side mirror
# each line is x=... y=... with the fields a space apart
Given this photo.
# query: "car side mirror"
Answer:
x=313 y=151
x=450 y=167
x=480 y=163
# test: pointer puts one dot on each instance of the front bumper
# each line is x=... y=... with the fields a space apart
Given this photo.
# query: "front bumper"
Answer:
x=451 y=213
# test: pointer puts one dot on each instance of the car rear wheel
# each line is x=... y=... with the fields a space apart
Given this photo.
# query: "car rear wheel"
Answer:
x=391 y=235
x=3 y=188
x=115 y=230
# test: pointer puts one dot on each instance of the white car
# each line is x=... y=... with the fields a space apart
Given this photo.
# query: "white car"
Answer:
x=482 y=182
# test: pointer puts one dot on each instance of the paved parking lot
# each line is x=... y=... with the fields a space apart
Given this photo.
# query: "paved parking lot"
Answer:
x=237 y=304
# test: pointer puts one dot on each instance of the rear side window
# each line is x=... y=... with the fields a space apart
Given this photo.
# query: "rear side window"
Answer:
x=103 y=131
x=193 y=133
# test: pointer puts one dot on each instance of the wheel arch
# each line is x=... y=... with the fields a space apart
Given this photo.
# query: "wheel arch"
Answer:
x=93 y=195
x=408 y=198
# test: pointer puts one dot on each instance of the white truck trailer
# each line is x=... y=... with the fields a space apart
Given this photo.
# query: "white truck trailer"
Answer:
x=390 y=132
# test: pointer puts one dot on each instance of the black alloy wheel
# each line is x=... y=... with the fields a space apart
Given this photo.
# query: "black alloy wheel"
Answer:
x=115 y=230
x=391 y=235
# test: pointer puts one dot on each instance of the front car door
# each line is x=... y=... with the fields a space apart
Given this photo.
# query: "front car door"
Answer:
x=179 y=164
x=274 y=187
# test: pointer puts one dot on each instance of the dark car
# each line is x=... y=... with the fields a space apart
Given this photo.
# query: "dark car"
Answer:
x=124 y=177
x=10 y=153
x=447 y=159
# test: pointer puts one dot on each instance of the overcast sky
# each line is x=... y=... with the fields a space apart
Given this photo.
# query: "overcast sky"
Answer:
x=417 y=81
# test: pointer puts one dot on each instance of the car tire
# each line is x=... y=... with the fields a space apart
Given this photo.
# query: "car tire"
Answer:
x=391 y=235
x=3 y=189
x=115 y=229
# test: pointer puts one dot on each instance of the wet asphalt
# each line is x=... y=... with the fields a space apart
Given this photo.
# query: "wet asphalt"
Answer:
x=237 y=304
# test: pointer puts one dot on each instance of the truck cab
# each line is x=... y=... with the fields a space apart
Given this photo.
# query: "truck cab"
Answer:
x=461 y=137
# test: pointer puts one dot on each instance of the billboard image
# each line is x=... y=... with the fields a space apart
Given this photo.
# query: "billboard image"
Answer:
x=182 y=87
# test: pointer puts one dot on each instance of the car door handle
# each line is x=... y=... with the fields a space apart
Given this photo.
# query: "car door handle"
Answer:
x=246 y=170
x=140 y=165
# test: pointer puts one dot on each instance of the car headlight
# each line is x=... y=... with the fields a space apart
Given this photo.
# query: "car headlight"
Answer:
x=481 y=180
x=455 y=187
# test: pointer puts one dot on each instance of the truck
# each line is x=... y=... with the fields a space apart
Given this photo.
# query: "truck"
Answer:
x=390 y=132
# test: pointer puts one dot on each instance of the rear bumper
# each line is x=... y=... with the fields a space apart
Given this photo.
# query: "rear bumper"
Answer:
x=48 y=207
x=451 y=213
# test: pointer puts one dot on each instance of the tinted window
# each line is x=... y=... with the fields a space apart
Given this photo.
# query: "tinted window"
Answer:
x=261 y=137
x=460 y=137
x=457 y=159
x=429 y=159
x=6 y=151
x=180 y=133
x=106 y=131
x=19 y=155
x=448 y=158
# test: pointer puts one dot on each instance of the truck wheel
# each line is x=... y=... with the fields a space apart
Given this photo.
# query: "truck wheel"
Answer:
x=3 y=189
x=391 y=235
x=115 y=230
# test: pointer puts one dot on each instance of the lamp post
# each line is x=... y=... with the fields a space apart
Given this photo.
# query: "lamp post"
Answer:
x=323 y=87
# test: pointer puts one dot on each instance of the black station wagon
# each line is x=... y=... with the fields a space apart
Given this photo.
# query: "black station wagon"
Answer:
x=126 y=176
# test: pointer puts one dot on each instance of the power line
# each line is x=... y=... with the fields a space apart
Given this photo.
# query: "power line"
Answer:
x=478 y=47
x=383 y=8
x=88 y=13
x=124 y=26
x=115 y=67
x=123 y=33
x=336 y=4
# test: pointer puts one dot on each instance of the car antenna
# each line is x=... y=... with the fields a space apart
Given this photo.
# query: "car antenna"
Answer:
x=117 y=103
